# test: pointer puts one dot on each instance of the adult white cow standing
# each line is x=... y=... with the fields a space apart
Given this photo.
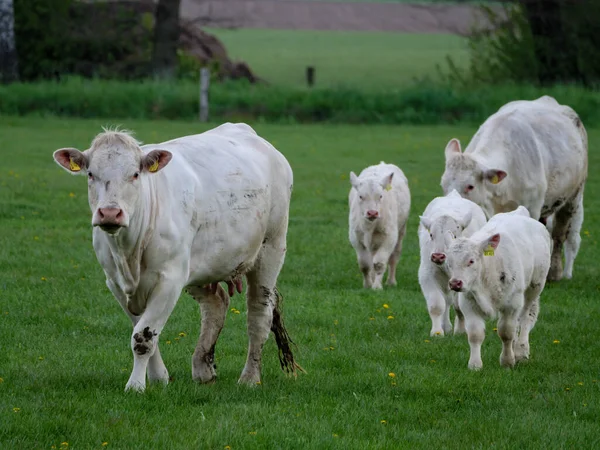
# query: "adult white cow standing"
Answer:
x=379 y=203
x=189 y=213
x=530 y=153
x=460 y=217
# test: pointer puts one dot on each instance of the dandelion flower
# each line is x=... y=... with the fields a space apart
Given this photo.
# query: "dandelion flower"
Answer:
x=371 y=318
x=104 y=444
x=335 y=435
x=182 y=334
x=168 y=342
x=392 y=375
x=16 y=410
x=567 y=389
x=383 y=422
x=41 y=358
x=390 y=317
x=580 y=383
x=556 y=341
x=227 y=447
x=386 y=306
x=252 y=433
x=71 y=194
x=44 y=279
x=427 y=340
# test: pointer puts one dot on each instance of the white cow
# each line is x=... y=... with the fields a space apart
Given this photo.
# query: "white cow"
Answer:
x=449 y=214
x=379 y=205
x=189 y=213
x=501 y=270
x=530 y=153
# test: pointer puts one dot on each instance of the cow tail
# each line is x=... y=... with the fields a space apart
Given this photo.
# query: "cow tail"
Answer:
x=284 y=342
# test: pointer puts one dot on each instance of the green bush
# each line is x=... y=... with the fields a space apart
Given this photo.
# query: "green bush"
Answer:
x=420 y=104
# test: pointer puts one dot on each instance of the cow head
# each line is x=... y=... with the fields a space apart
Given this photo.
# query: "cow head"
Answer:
x=371 y=192
x=465 y=260
x=470 y=178
x=438 y=230
x=115 y=167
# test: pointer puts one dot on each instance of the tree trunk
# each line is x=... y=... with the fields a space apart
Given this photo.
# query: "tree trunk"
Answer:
x=8 y=50
x=166 y=38
x=555 y=45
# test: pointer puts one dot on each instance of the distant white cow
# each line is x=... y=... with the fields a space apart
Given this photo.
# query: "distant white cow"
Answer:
x=530 y=153
x=379 y=206
x=189 y=213
x=460 y=217
x=501 y=270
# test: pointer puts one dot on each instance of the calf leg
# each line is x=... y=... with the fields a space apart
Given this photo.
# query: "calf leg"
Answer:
x=507 y=330
x=475 y=327
x=380 y=262
x=365 y=263
x=459 y=319
x=213 y=308
x=527 y=320
x=438 y=309
x=157 y=370
x=394 y=257
x=144 y=339
x=573 y=237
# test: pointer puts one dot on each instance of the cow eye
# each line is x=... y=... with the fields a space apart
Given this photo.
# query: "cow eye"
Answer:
x=136 y=175
x=431 y=236
x=90 y=176
x=361 y=197
x=380 y=197
x=471 y=262
x=469 y=188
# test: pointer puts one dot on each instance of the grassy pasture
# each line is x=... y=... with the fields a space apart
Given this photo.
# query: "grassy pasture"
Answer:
x=363 y=60
x=64 y=341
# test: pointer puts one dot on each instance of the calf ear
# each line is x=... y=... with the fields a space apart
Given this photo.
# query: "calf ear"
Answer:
x=426 y=222
x=353 y=180
x=491 y=243
x=72 y=160
x=452 y=148
x=466 y=220
x=386 y=182
x=156 y=160
x=494 y=176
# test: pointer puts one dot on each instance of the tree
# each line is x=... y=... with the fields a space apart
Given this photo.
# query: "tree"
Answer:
x=166 y=38
x=8 y=50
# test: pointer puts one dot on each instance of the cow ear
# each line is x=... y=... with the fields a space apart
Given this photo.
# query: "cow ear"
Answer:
x=452 y=148
x=466 y=220
x=72 y=160
x=489 y=244
x=156 y=160
x=426 y=222
x=354 y=180
x=494 y=176
x=386 y=182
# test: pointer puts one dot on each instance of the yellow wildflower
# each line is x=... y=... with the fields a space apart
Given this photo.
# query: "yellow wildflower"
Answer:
x=71 y=194
x=386 y=306
x=1 y=380
x=168 y=342
x=392 y=375
x=383 y=422
x=556 y=341
x=427 y=340
x=104 y=444
x=16 y=409
x=44 y=279
x=371 y=318
x=580 y=383
x=390 y=317
x=182 y=334
x=252 y=433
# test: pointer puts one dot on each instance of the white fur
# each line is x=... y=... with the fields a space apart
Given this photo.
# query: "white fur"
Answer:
x=378 y=243
x=461 y=217
x=541 y=147
x=219 y=209
x=506 y=284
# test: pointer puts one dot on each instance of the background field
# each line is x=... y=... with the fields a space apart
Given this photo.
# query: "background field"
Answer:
x=65 y=357
x=362 y=60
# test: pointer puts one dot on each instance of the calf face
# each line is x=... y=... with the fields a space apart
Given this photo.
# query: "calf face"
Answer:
x=465 y=260
x=371 y=192
x=438 y=229
x=470 y=178
x=114 y=165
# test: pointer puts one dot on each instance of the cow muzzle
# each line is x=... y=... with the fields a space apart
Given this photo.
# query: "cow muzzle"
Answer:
x=110 y=220
x=372 y=214
x=456 y=285
x=438 y=258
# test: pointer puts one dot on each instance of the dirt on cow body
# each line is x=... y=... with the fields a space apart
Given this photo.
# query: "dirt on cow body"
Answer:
x=339 y=16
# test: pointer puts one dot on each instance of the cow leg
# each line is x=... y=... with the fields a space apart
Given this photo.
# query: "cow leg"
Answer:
x=527 y=321
x=213 y=309
x=459 y=319
x=475 y=327
x=157 y=370
x=380 y=262
x=573 y=237
x=365 y=264
x=436 y=306
x=507 y=330
x=394 y=257
x=144 y=339
x=560 y=230
x=262 y=299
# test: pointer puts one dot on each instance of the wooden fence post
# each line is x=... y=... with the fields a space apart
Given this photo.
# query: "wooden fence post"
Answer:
x=204 y=85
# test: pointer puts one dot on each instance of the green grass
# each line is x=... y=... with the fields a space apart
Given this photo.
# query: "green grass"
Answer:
x=64 y=341
x=361 y=60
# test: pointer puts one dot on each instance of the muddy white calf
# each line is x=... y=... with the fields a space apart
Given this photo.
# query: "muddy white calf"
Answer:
x=501 y=271
x=530 y=153
x=459 y=217
x=189 y=213
x=379 y=206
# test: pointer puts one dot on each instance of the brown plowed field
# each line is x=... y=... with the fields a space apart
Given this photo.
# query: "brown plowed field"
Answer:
x=346 y=16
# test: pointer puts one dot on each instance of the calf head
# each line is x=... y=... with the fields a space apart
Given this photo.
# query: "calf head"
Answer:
x=371 y=192
x=441 y=227
x=114 y=166
x=470 y=178
x=465 y=260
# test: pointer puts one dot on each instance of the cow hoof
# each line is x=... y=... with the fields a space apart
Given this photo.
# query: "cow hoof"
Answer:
x=249 y=380
x=135 y=387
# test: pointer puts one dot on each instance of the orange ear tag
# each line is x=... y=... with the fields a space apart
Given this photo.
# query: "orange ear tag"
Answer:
x=74 y=166
x=153 y=167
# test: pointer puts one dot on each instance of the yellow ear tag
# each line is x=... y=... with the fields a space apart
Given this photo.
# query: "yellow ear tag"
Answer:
x=388 y=187
x=489 y=251
x=495 y=179
x=74 y=166
x=153 y=167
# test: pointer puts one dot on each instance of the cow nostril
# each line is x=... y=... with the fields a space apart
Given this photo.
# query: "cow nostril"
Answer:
x=100 y=213
x=120 y=214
